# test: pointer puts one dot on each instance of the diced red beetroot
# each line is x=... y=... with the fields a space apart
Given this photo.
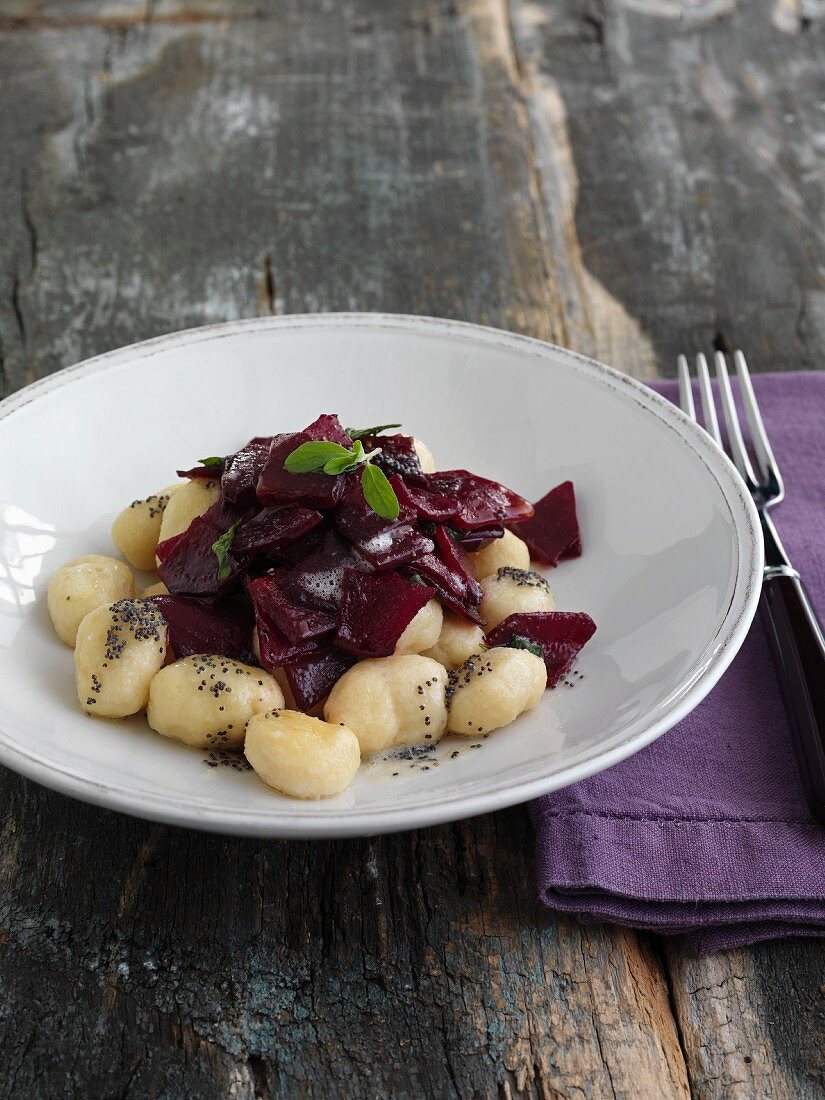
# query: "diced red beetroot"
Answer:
x=559 y=634
x=274 y=646
x=165 y=548
x=385 y=544
x=294 y=551
x=297 y=622
x=328 y=427
x=375 y=611
x=552 y=532
x=197 y=626
x=464 y=500
x=317 y=580
x=190 y=566
x=204 y=473
x=222 y=515
x=477 y=540
x=453 y=581
x=454 y=555
x=313 y=677
x=273 y=526
x=278 y=486
x=244 y=468
x=398 y=454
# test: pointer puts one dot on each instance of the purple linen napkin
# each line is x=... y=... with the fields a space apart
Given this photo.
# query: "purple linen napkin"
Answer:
x=706 y=831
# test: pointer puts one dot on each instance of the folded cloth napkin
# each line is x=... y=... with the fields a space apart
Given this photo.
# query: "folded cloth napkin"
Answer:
x=706 y=832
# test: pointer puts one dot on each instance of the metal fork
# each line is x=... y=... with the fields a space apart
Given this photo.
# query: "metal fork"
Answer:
x=794 y=632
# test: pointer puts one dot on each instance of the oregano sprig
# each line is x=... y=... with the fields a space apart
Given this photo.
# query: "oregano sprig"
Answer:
x=359 y=433
x=220 y=548
x=323 y=457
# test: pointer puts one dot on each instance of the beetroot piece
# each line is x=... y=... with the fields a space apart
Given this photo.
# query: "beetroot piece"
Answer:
x=278 y=486
x=462 y=499
x=398 y=454
x=552 y=532
x=222 y=515
x=274 y=646
x=455 y=557
x=375 y=611
x=212 y=472
x=385 y=544
x=559 y=634
x=272 y=527
x=190 y=566
x=196 y=626
x=477 y=540
x=446 y=572
x=165 y=548
x=297 y=622
x=244 y=468
x=328 y=427
x=317 y=580
x=313 y=677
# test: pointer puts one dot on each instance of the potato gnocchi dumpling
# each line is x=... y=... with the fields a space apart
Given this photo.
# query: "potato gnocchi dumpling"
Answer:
x=508 y=550
x=457 y=641
x=301 y=756
x=510 y=591
x=206 y=701
x=425 y=456
x=191 y=500
x=120 y=648
x=136 y=531
x=391 y=701
x=423 y=631
x=492 y=689
x=81 y=586
x=156 y=589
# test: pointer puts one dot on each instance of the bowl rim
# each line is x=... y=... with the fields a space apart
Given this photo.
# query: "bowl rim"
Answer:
x=692 y=689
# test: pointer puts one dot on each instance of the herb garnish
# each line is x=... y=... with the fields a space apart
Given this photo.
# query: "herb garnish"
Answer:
x=518 y=641
x=213 y=460
x=323 y=457
x=220 y=548
x=359 y=433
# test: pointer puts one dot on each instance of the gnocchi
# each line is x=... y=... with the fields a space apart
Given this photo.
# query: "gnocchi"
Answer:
x=206 y=701
x=509 y=550
x=510 y=591
x=136 y=531
x=492 y=689
x=81 y=586
x=157 y=589
x=425 y=456
x=120 y=648
x=458 y=640
x=423 y=631
x=391 y=701
x=302 y=756
x=189 y=501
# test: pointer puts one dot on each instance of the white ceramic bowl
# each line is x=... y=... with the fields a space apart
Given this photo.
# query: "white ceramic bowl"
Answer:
x=670 y=570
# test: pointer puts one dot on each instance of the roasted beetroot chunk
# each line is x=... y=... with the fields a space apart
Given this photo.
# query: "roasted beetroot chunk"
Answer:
x=559 y=634
x=317 y=580
x=243 y=469
x=313 y=677
x=461 y=499
x=449 y=572
x=296 y=621
x=277 y=485
x=398 y=454
x=189 y=567
x=552 y=532
x=375 y=611
x=477 y=540
x=198 y=626
x=383 y=543
x=328 y=427
x=274 y=646
x=272 y=527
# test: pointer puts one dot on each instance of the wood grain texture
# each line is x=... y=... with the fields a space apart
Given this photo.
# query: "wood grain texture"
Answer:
x=168 y=164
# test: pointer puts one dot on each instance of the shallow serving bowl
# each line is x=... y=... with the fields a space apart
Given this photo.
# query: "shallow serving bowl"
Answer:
x=670 y=569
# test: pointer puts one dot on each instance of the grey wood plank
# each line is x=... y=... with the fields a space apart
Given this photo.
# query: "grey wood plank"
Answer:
x=171 y=171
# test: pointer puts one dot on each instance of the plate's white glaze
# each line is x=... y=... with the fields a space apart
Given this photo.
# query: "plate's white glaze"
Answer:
x=670 y=570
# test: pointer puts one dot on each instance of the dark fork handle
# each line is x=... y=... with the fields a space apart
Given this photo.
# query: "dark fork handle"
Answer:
x=798 y=649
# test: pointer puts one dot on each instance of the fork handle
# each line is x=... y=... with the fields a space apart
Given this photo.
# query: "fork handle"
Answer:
x=798 y=650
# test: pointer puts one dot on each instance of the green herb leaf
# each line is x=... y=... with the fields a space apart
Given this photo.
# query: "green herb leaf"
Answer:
x=220 y=548
x=350 y=461
x=313 y=456
x=214 y=460
x=416 y=578
x=359 y=433
x=378 y=492
x=518 y=641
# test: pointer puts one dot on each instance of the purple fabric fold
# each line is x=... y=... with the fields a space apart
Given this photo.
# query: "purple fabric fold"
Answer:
x=706 y=832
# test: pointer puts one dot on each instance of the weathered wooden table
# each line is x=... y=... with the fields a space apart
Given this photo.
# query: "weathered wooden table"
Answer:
x=628 y=177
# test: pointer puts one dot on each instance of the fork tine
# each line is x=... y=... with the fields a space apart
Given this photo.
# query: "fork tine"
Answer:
x=685 y=388
x=739 y=452
x=759 y=437
x=708 y=406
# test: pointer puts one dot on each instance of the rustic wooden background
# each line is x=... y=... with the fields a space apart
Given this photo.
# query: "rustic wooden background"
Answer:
x=631 y=178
